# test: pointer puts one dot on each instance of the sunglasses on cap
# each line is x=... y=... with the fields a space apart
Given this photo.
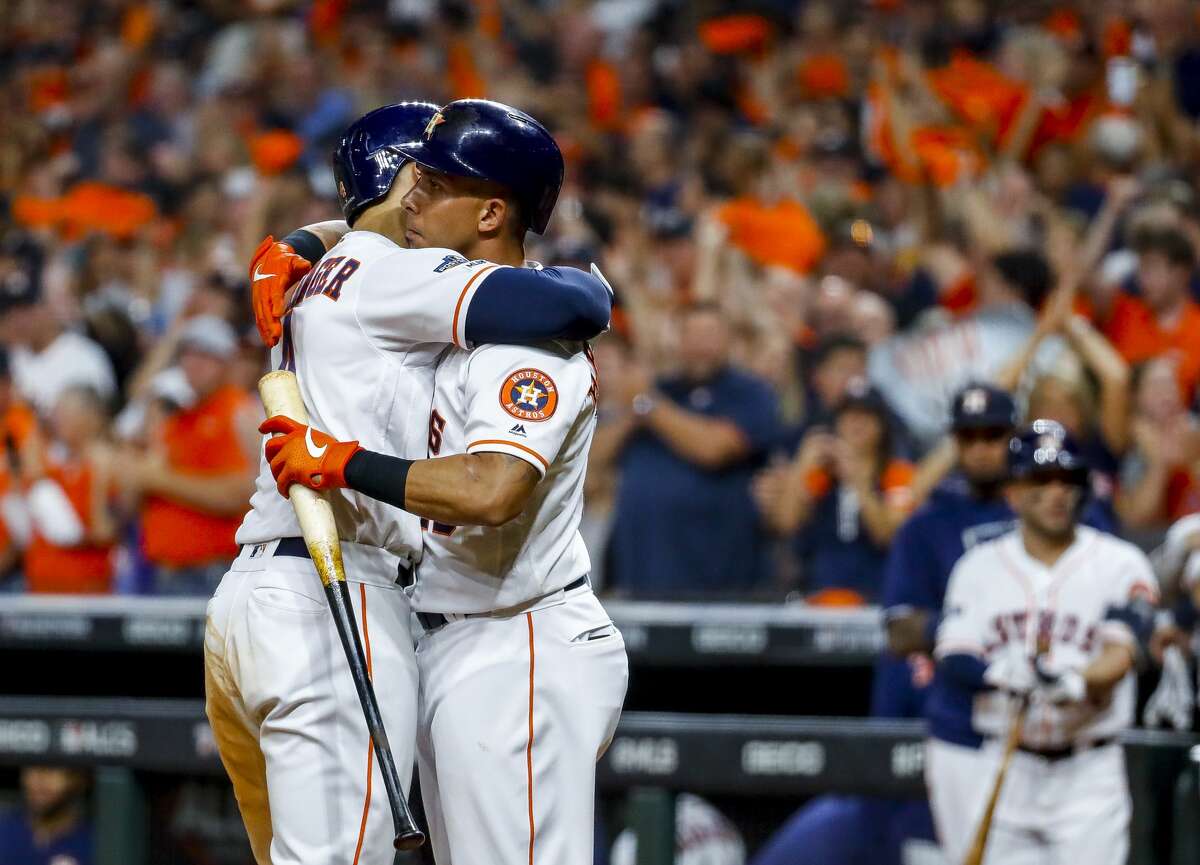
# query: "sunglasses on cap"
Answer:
x=1045 y=478
x=982 y=434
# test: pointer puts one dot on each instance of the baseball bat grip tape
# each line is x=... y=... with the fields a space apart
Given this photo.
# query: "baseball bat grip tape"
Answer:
x=280 y=392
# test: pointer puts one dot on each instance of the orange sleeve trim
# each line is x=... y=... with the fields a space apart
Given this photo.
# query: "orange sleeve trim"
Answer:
x=366 y=633
x=519 y=447
x=458 y=306
x=529 y=741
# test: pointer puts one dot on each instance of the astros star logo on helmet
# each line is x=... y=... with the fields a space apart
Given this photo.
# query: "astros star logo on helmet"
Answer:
x=434 y=122
x=529 y=394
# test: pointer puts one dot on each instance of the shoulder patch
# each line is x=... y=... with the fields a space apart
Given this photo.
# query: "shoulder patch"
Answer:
x=529 y=395
x=448 y=262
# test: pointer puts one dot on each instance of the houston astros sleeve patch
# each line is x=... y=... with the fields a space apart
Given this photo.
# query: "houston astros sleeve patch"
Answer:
x=530 y=395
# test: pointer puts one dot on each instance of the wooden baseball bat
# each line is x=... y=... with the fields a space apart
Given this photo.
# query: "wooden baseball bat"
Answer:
x=979 y=845
x=280 y=392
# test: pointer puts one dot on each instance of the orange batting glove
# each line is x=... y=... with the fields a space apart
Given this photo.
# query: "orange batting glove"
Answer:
x=303 y=455
x=274 y=269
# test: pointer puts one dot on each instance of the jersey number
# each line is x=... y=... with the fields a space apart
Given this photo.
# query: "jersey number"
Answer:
x=437 y=424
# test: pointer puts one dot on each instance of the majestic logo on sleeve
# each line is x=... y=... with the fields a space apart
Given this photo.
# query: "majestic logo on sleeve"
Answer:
x=529 y=394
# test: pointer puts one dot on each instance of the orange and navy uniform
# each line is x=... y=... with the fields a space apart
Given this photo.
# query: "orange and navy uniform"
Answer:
x=895 y=482
x=842 y=565
x=202 y=441
x=83 y=569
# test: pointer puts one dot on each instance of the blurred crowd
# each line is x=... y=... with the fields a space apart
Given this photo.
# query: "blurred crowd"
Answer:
x=823 y=221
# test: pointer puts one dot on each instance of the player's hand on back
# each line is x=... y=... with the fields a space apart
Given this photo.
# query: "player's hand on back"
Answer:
x=299 y=454
x=1013 y=672
x=274 y=268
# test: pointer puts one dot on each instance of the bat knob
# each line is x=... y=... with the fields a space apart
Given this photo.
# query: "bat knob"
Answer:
x=410 y=840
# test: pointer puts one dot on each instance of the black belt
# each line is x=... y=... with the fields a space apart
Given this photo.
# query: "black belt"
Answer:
x=1055 y=754
x=433 y=621
x=293 y=547
x=297 y=548
x=286 y=547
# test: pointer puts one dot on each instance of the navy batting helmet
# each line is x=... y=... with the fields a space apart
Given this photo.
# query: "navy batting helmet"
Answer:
x=367 y=158
x=491 y=141
x=1046 y=448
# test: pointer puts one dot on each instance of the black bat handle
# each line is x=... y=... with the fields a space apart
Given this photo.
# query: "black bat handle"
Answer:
x=408 y=836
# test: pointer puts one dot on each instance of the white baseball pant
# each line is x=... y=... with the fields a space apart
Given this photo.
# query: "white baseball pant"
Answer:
x=514 y=714
x=1050 y=812
x=286 y=717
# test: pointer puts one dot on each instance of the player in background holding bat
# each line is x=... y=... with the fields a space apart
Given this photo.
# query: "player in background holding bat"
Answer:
x=362 y=332
x=1085 y=598
x=522 y=672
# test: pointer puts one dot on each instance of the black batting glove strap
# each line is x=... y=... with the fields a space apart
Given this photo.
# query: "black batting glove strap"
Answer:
x=306 y=244
x=379 y=476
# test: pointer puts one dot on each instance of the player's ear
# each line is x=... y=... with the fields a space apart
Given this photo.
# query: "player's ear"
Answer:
x=492 y=215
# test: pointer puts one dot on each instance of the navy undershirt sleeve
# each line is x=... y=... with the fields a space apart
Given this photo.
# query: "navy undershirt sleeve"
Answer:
x=520 y=305
x=964 y=670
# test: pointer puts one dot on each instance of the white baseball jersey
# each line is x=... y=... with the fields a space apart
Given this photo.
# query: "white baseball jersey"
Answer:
x=1002 y=599
x=536 y=403
x=363 y=331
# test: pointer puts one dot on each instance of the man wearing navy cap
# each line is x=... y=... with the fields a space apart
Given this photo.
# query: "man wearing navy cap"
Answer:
x=967 y=509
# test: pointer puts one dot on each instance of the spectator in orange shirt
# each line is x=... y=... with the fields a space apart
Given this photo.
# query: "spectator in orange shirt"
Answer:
x=1164 y=320
x=68 y=495
x=843 y=496
x=195 y=482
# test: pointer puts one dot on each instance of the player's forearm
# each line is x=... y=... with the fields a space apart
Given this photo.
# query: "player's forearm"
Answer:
x=710 y=443
x=487 y=489
x=1105 y=673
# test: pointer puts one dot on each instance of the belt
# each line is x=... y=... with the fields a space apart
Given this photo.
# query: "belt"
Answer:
x=1056 y=754
x=297 y=548
x=433 y=621
x=293 y=547
x=286 y=547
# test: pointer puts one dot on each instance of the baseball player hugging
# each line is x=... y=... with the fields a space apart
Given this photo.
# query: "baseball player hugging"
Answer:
x=363 y=332
x=522 y=674
x=1044 y=625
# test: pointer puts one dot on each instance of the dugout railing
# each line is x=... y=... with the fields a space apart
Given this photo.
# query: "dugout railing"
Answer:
x=654 y=755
